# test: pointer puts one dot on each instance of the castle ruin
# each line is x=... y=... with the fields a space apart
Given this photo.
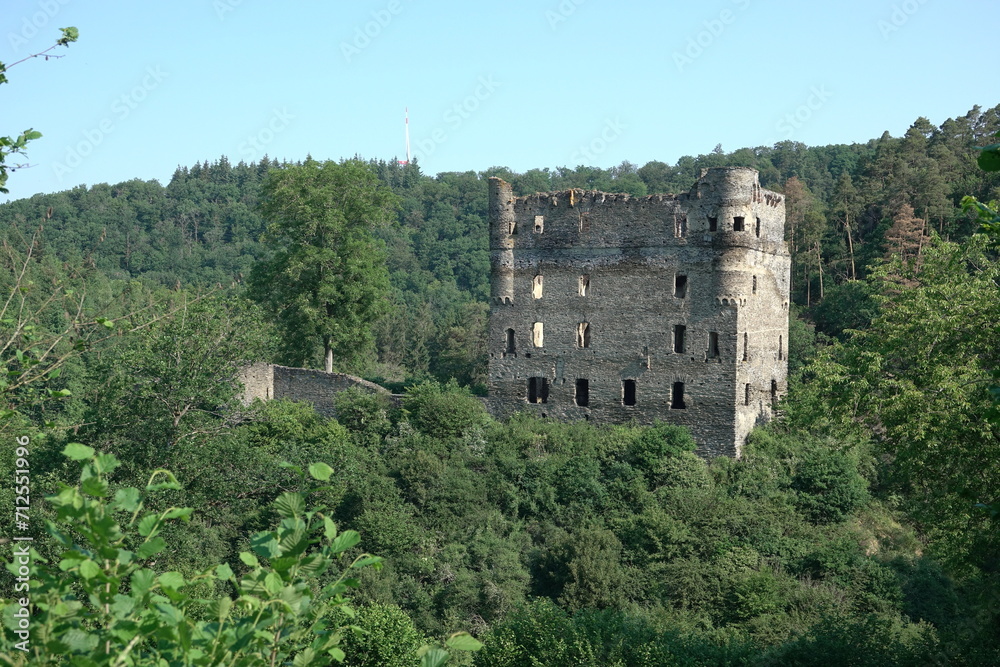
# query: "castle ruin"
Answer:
x=615 y=308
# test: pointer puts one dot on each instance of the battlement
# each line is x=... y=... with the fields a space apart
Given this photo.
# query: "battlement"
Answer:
x=615 y=308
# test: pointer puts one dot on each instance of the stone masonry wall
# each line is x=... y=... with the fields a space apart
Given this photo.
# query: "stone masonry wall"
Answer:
x=614 y=308
x=269 y=381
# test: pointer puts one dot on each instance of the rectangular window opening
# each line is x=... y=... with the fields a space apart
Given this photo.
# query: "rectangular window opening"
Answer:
x=774 y=392
x=679 y=331
x=583 y=334
x=537 y=334
x=680 y=225
x=680 y=286
x=746 y=347
x=509 y=345
x=757 y=228
x=677 y=397
x=539 y=223
x=536 y=287
x=584 y=285
x=713 y=344
x=713 y=223
x=755 y=284
x=738 y=223
x=746 y=394
x=582 y=395
x=538 y=390
x=628 y=392
x=584 y=222
x=781 y=350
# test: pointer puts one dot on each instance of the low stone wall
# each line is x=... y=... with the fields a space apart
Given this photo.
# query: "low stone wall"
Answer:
x=270 y=381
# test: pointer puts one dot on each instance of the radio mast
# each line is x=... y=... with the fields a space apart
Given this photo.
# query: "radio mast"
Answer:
x=407 y=125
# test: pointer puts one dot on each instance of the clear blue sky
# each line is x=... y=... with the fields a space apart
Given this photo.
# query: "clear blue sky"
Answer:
x=523 y=84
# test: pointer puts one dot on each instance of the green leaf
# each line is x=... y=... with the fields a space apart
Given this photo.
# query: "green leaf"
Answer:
x=151 y=547
x=463 y=641
x=989 y=159
x=126 y=499
x=172 y=580
x=220 y=608
x=329 y=528
x=320 y=471
x=345 y=541
x=94 y=486
x=77 y=452
x=174 y=512
x=290 y=504
x=89 y=569
x=147 y=524
x=142 y=581
x=434 y=657
x=223 y=572
x=366 y=561
x=249 y=559
x=264 y=544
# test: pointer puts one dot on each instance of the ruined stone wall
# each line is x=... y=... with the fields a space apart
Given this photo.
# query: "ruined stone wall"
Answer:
x=611 y=308
x=269 y=381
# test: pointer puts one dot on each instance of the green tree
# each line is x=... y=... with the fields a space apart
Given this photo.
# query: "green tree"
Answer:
x=328 y=280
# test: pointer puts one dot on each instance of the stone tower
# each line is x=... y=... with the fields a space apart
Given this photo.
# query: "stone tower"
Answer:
x=614 y=308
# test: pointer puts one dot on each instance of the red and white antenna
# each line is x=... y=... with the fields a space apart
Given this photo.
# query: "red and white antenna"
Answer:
x=407 y=160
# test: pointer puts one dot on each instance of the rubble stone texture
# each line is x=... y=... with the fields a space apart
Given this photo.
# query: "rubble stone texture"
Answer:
x=615 y=308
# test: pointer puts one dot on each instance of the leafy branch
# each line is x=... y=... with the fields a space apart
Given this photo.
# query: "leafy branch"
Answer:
x=16 y=145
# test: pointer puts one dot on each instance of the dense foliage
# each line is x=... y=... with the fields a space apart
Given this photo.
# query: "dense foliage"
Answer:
x=859 y=528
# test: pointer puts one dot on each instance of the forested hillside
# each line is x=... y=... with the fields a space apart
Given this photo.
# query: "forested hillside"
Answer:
x=848 y=207
x=859 y=528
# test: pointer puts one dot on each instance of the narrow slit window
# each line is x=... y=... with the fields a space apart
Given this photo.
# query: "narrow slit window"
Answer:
x=781 y=350
x=512 y=230
x=680 y=286
x=755 y=284
x=746 y=394
x=582 y=395
x=537 y=334
x=584 y=222
x=746 y=347
x=774 y=392
x=584 y=285
x=583 y=334
x=628 y=392
x=757 y=228
x=713 y=223
x=536 y=287
x=677 y=397
x=539 y=223
x=738 y=221
x=679 y=331
x=538 y=390
x=713 y=344
x=509 y=342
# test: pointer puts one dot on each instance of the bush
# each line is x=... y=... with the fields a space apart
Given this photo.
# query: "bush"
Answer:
x=443 y=411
